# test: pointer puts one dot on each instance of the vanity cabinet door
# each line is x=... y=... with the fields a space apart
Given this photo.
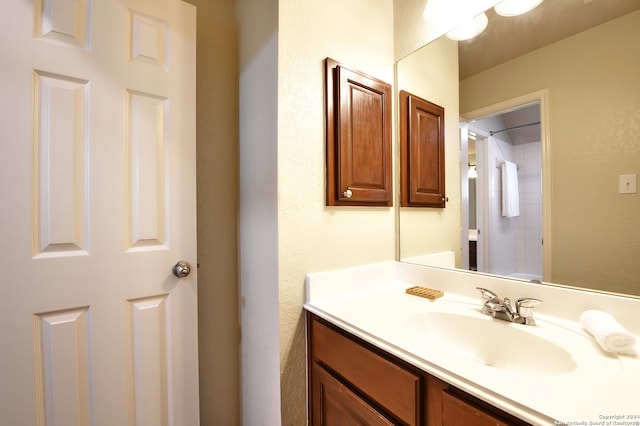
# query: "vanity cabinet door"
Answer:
x=456 y=412
x=387 y=386
x=335 y=404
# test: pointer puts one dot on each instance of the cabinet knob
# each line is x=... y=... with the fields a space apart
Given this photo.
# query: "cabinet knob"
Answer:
x=347 y=193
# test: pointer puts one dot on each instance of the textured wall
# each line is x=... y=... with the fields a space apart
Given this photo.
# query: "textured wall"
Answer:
x=312 y=237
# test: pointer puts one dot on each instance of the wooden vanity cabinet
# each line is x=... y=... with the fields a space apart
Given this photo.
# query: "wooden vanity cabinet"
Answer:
x=354 y=382
x=458 y=412
x=388 y=388
x=336 y=404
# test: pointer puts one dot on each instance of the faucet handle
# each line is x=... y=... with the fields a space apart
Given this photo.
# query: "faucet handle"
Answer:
x=528 y=302
x=487 y=294
x=525 y=306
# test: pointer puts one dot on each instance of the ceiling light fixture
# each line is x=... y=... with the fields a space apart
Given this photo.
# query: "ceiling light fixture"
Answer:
x=516 y=7
x=470 y=28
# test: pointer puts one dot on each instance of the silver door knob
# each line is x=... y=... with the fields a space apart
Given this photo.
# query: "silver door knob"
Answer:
x=347 y=193
x=182 y=269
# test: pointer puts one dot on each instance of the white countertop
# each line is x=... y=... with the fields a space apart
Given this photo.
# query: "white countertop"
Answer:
x=377 y=309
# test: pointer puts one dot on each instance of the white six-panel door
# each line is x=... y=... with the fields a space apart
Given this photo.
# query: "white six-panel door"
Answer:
x=97 y=196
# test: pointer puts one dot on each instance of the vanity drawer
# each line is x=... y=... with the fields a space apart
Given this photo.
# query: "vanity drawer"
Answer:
x=457 y=412
x=390 y=386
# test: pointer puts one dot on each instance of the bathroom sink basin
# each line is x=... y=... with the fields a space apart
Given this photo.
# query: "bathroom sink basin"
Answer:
x=492 y=342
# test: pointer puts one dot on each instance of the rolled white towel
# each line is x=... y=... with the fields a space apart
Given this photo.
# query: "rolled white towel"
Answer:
x=608 y=332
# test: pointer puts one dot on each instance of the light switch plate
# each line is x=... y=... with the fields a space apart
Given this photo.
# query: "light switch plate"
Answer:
x=628 y=184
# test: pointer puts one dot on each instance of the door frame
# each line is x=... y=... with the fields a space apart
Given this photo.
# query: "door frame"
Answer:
x=541 y=97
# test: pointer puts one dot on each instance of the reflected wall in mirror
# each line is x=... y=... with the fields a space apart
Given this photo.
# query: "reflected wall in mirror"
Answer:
x=593 y=138
x=432 y=73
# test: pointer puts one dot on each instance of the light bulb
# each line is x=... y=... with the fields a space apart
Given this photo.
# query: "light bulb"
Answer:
x=469 y=28
x=516 y=7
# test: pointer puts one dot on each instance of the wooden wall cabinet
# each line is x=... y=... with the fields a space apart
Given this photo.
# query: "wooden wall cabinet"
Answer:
x=358 y=133
x=354 y=382
x=422 y=177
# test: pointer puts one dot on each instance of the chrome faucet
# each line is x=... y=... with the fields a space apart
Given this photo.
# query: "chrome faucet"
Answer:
x=502 y=309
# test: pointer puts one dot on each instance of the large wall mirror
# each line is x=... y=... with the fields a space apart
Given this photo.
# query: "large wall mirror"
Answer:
x=557 y=92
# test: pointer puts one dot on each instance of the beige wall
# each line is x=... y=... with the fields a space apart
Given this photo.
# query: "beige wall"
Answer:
x=217 y=189
x=285 y=230
x=312 y=237
x=595 y=122
x=432 y=73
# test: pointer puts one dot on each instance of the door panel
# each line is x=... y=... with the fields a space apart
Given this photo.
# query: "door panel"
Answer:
x=62 y=353
x=60 y=165
x=147 y=172
x=97 y=178
x=150 y=354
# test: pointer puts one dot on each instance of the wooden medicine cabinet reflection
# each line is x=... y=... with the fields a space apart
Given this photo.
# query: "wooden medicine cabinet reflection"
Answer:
x=421 y=152
x=358 y=132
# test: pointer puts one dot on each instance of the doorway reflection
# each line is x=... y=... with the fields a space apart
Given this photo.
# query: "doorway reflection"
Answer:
x=504 y=245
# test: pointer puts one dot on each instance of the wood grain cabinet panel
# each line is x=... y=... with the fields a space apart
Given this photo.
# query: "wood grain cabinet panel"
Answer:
x=392 y=387
x=422 y=171
x=457 y=412
x=358 y=119
x=336 y=404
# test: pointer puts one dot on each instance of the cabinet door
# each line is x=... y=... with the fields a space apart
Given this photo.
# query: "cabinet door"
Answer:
x=421 y=152
x=385 y=383
x=358 y=138
x=457 y=412
x=335 y=404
